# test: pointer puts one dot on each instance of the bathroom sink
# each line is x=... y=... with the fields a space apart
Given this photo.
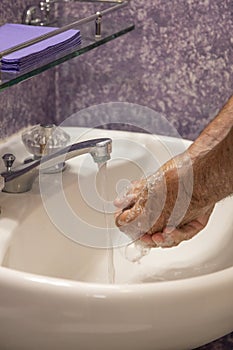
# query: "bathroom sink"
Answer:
x=58 y=261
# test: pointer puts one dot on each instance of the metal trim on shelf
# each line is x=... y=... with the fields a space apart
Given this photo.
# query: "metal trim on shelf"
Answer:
x=93 y=36
x=40 y=14
x=66 y=27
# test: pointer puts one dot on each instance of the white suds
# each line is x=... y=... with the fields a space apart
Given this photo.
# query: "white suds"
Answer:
x=135 y=251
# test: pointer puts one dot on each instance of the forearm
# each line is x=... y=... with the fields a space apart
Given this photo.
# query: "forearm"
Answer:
x=212 y=158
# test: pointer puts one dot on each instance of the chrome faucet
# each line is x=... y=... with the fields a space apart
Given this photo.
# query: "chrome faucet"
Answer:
x=21 y=178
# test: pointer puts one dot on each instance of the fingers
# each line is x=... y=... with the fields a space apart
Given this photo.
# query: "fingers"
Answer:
x=131 y=204
x=171 y=237
x=155 y=240
x=125 y=201
x=129 y=214
x=128 y=197
x=184 y=233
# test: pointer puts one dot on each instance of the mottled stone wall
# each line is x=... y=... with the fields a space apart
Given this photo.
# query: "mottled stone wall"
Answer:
x=29 y=102
x=178 y=61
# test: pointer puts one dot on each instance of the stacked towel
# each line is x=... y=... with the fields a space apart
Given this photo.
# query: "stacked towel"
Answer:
x=24 y=59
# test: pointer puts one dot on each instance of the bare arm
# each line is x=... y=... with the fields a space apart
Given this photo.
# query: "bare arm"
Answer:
x=212 y=157
x=211 y=160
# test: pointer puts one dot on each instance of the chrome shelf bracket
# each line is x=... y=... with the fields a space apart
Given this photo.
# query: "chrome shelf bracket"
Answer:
x=41 y=13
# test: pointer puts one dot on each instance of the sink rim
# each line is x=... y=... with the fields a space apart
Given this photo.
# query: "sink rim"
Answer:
x=206 y=281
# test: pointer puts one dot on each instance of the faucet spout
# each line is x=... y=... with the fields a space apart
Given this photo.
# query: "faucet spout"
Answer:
x=21 y=178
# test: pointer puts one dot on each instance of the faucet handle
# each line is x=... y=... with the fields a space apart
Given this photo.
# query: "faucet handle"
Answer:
x=8 y=159
x=44 y=139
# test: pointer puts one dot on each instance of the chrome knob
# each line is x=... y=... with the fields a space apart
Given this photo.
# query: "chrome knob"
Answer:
x=8 y=159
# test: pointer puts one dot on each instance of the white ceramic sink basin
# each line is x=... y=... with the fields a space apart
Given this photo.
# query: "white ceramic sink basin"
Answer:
x=55 y=292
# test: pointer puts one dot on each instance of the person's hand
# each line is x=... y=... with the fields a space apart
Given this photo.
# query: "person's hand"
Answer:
x=162 y=210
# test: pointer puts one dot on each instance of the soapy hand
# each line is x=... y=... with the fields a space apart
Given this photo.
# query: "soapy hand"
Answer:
x=161 y=210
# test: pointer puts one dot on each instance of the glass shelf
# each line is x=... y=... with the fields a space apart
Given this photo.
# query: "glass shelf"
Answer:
x=111 y=29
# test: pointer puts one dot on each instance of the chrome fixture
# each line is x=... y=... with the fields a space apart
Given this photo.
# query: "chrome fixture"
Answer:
x=42 y=13
x=44 y=139
x=39 y=14
x=21 y=178
x=98 y=23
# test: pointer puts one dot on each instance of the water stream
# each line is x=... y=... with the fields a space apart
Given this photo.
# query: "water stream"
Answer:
x=132 y=252
x=104 y=195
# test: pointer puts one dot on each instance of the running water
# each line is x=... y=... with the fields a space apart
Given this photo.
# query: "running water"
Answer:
x=110 y=250
x=133 y=252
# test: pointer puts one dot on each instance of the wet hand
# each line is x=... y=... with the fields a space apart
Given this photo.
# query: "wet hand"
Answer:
x=155 y=211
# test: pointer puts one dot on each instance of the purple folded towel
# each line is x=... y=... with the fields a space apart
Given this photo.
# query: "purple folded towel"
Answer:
x=14 y=34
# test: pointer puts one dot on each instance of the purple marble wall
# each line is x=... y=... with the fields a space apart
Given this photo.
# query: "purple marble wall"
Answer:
x=178 y=61
x=32 y=101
